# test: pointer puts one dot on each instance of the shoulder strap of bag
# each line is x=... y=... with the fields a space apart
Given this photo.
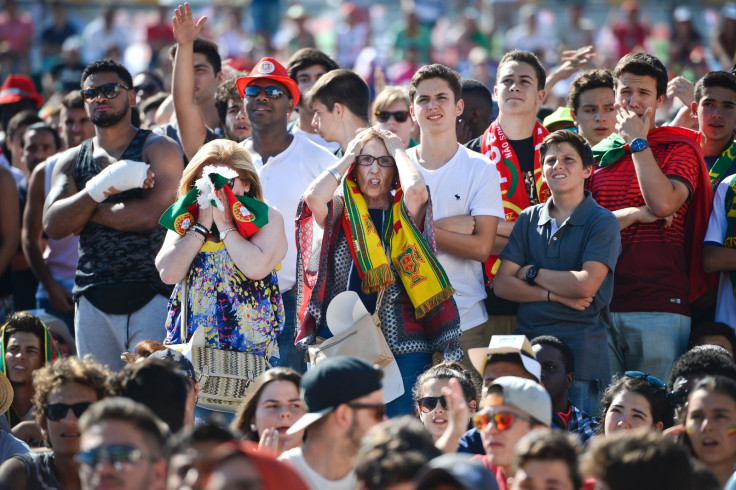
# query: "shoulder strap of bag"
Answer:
x=183 y=324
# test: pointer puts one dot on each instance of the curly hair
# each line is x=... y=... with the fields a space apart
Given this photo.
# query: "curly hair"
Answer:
x=657 y=397
x=86 y=372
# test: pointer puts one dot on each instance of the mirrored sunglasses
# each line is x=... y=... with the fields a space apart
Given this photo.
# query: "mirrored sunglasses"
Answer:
x=270 y=90
x=57 y=411
x=647 y=377
x=367 y=161
x=109 y=91
x=399 y=116
x=428 y=403
x=502 y=420
x=118 y=456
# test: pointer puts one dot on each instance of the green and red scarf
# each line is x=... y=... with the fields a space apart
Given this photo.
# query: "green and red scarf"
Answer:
x=421 y=274
x=612 y=149
x=513 y=192
x=250 y=214
x=50 y=355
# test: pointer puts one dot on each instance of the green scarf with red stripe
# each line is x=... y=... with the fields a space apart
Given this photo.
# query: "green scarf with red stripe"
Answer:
x=250 y=214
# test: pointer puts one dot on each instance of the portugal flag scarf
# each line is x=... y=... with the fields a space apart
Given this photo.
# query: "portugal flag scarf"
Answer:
x=48 y=351
x=722 y=163
x=421 y=274
x=250 y=214
x=730 y=238
x=495 y=146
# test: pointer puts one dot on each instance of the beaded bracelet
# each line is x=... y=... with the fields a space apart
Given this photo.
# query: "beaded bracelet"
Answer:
x=195 y=235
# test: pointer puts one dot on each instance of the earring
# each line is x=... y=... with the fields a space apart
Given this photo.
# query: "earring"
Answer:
x=253 y=428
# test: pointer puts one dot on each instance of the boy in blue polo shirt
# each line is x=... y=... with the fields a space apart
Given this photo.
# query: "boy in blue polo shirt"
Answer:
x=559 y=264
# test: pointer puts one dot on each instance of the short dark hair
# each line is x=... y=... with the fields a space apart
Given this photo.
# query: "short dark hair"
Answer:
x=713 y=328
x=73 y=100
x=574 y=139
x=209 y=431
x=226 y=92
x=636 y=460
x=247 y=410
x=155 y=74
x=108 y=65
x=657 y=398
x=724 y=79
x=306 y=58
x=642 y=64
x=208 y=48
x=42 y=126
x=393 y=452
x=158 y=385
x=521 y=56
x=588 y=80
x=18 y=121
x=706 y=360
x=86 y=372
x=122 y=409
x=153 y=102
x=549 y=445
x=447 y=370
x=567 y=355
x=344 y=87
x=481 y=93
x=436 y=70
x=24 y=322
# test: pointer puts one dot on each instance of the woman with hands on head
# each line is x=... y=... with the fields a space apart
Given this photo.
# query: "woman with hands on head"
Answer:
x=378 y=236
x=271 y=407
x=225 y=253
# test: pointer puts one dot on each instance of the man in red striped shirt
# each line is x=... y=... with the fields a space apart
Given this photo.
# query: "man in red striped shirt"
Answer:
x=655 y=181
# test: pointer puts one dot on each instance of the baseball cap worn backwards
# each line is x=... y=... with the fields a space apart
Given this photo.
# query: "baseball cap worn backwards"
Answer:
x=332 y=382
x=269 y=69
x=522 y=394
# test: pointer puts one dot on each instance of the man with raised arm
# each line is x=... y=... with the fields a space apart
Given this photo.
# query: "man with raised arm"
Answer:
x=104 y=191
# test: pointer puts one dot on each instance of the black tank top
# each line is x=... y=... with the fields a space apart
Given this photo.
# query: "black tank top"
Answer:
x=122 y=259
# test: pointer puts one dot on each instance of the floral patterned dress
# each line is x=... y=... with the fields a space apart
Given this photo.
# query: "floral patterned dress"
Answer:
x=237 y=313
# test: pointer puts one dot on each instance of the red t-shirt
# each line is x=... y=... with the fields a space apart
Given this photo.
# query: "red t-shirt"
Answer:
x=652 y=272
x=495 y=470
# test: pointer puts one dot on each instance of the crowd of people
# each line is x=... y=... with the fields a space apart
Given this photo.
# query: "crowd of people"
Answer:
x=543 y=256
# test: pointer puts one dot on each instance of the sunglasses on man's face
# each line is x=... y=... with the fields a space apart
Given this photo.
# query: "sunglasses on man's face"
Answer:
x=399 y=116
x=108 y=91
x=57 y=411
x=502 y=420
x=117 y=456
x=270 y=90
x=427 y=404
x=379 y=409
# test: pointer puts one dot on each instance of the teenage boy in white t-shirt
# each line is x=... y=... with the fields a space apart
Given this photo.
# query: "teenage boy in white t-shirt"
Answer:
x=465 y=192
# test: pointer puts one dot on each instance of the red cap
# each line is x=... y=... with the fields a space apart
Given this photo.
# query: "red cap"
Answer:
x=270 y=69
x=17 y=88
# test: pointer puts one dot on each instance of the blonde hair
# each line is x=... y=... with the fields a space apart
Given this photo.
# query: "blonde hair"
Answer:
x=224 y=152
x=388 y=96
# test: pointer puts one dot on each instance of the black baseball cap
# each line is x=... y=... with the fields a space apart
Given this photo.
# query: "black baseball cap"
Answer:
x=334 y=381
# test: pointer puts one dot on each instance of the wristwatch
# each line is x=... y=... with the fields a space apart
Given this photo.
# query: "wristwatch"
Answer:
x=224 y=233
x=638 y=145
x=531 y=274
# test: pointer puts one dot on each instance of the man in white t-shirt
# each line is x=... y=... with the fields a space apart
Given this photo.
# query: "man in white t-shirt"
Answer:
x=465 y=192
x=718 y=250
x=286 y=163
x=344 y=398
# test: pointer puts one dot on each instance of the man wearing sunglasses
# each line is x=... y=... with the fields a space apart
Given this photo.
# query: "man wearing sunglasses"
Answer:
x=340 y=100
x=104 y=191
x=122 y=446
x=64 y=391
x=286 y=163
x=511 y=408
x=344 y=398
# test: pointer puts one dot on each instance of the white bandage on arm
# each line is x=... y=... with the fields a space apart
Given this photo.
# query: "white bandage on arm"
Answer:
x=118 y=177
